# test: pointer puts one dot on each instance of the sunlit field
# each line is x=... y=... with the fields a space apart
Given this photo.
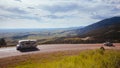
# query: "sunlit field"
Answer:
x=87 y=59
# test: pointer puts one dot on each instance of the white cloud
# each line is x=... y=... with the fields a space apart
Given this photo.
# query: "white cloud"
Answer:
x=55 y=13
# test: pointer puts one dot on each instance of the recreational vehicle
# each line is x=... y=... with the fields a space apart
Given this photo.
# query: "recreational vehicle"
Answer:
x=22 y=44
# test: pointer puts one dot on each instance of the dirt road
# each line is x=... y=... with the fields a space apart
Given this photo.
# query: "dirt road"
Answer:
x=11 y=51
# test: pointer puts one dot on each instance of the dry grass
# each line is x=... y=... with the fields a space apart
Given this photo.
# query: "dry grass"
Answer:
x=46 y=58
x=88 y=59
x=11 y=62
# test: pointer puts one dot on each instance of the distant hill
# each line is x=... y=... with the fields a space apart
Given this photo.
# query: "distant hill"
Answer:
x=108 y=29
x=105 y=30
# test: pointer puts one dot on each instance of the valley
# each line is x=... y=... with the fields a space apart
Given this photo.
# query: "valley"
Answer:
x=99 y=32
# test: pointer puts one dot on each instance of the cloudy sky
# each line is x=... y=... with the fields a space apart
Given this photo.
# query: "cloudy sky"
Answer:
x=55 y=13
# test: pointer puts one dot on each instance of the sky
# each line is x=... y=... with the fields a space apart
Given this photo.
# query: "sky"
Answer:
x=55 y=13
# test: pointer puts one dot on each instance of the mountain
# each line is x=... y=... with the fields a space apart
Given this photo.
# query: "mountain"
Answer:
x=107 y=29
x=99 y=32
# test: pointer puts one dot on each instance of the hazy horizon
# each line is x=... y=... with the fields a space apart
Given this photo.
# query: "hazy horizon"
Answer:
x=43 y=28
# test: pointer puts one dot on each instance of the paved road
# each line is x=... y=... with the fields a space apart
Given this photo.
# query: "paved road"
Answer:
x=11 y=51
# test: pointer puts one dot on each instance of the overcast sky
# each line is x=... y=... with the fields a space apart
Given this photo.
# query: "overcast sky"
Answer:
x=55 y=13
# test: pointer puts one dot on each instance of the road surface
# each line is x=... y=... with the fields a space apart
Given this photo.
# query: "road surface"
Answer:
x=11 y=51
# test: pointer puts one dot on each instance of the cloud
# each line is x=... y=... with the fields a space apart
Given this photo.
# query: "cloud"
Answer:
x=19 y=23
x=13 y=9
x=16 y=10
x=56 y=13
x=19 y=0
x=30 y=7
x=61 y=7
x=20 y=17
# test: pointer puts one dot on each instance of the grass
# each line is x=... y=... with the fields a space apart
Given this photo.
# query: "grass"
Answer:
x=87 y=59
x=12 y=62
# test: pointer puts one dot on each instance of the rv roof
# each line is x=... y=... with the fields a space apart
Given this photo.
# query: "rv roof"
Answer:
x=27 y=40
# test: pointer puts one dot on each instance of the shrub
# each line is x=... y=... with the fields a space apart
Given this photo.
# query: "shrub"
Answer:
x=2 y=42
